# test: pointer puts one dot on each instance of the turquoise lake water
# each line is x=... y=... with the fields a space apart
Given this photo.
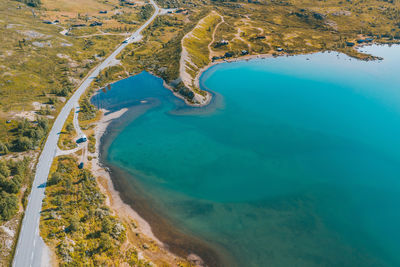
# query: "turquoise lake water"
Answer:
x=294 y=163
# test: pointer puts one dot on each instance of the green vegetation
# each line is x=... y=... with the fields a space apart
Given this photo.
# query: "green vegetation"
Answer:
x=32 y=3
x=31 y=136
x=110 y=74
x=87 y=110
x=16 y=177
x=68 y=134
x=15 y=181
x=92 y=143
x=13 y=174
x=146 y=12
x=78 y=224
x=24 y=135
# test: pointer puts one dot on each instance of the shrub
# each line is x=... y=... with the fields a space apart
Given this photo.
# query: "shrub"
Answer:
x=52 y=101
x=4 y=170
x=105 y=242
x=54 y=179
x=63 y=92
x=3 y=148
x=23 y=143
x=87 y=110
x=106 y=225
x=8 y=205
x=74 y=223
x=69 y=127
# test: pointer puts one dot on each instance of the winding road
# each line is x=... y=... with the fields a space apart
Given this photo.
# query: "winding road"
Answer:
x=31 y=247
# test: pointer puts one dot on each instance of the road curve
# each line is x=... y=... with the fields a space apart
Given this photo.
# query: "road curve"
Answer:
x=30 y=246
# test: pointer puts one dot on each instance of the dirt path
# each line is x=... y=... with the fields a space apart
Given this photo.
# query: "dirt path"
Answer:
x=186 y=64
x=213 y=36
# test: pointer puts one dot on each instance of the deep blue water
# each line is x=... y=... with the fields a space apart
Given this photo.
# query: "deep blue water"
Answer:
x=295 y=163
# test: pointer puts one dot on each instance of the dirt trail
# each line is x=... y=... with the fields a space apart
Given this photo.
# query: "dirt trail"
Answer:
x=213 y=36
x=186 y=64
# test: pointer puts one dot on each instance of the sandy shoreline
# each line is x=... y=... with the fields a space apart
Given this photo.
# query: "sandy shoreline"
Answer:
x=99 y=171
x=229 y=60
x=116 y=203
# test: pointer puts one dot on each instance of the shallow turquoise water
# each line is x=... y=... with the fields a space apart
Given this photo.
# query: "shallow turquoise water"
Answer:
x=295 y=163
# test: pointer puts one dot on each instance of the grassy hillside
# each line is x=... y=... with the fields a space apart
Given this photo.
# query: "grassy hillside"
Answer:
x=196 y=50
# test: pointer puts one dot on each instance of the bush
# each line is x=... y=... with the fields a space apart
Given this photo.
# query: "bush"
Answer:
x=32 y=3
x=74 y=223
x=3 y=148
x=11 y=186
x=12 y=175
x=43 y=123
x=4 y=170
x=8 y=205
x=54 y=179
x=30 y=135
x=34 y=133
x=23 y=143
x=23 y=125
x=44 y=111
x=87 y=110
x=105 y=242
x=106 y=225
x=52 y=101
x=63 y=92
x=69 y=127
x=145 y=12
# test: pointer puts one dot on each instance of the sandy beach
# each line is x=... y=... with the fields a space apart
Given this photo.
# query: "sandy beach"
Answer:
x=228 y=60
x=98 y=170
x=141 y=228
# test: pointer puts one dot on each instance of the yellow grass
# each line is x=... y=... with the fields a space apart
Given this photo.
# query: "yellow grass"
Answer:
x=78 y=6
x=196 y=42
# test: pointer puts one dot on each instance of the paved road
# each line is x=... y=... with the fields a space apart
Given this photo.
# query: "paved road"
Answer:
x=30 y=247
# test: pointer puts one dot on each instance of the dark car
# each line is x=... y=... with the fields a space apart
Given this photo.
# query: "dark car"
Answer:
x=81 y=140
x=80 y=166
